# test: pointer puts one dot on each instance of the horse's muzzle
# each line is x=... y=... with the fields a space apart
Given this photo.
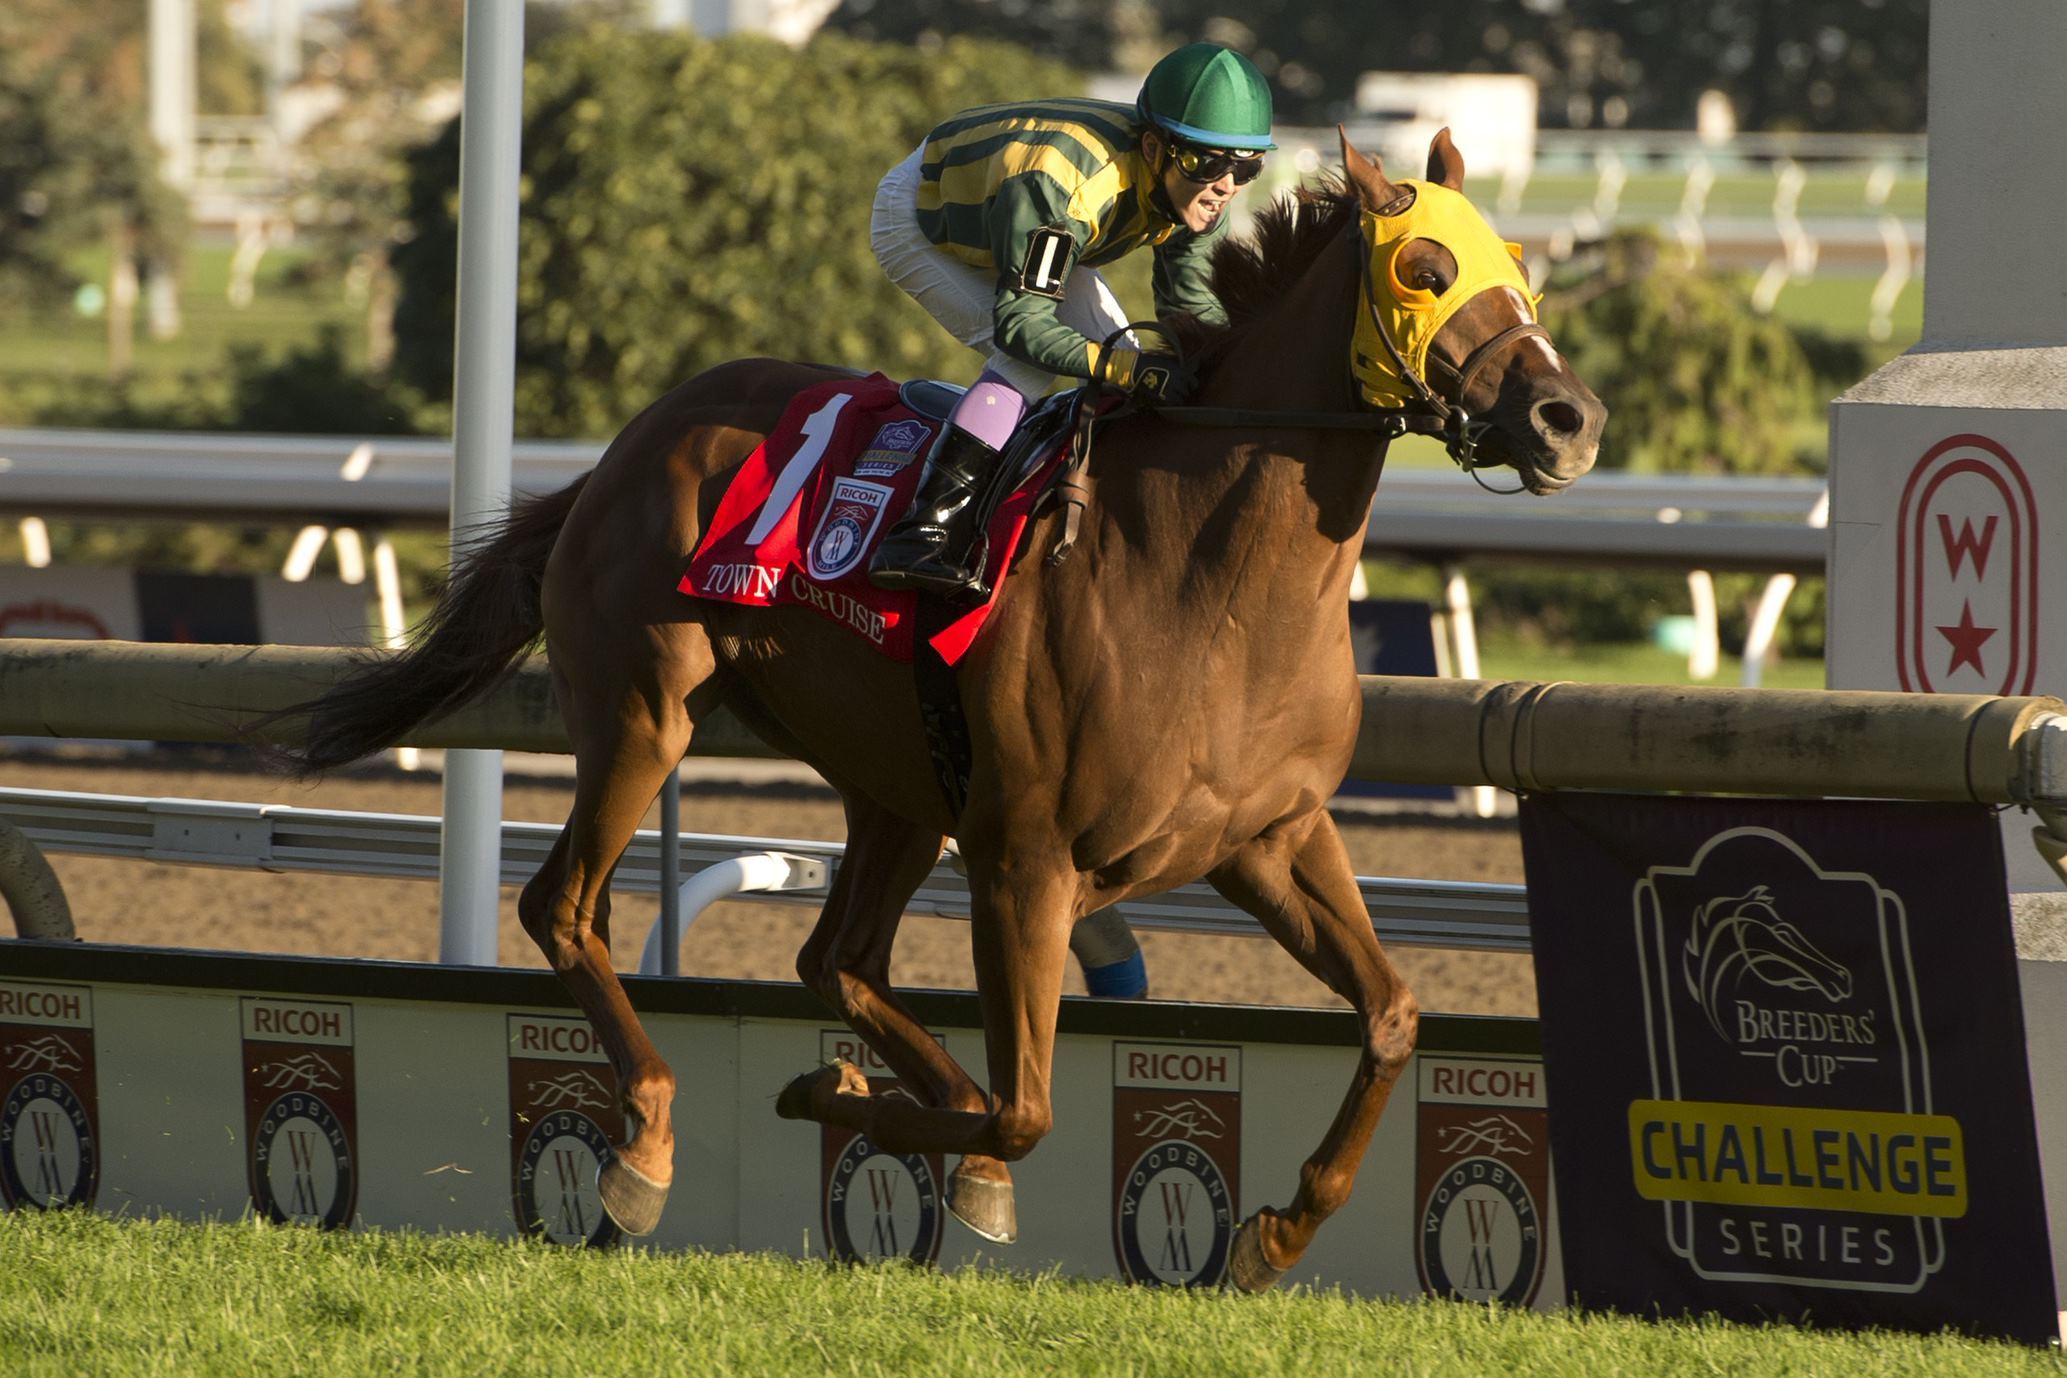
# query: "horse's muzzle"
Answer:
x=1564 y=429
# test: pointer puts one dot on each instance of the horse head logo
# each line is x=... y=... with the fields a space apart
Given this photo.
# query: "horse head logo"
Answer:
x=46 y=1054
x=1739 y=937
x=570 y=1091
x=1487 y=1136
x=1185 y=1119
x=307 y=1072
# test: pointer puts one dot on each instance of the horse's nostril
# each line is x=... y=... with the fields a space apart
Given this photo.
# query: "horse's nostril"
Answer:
x=1559 y=418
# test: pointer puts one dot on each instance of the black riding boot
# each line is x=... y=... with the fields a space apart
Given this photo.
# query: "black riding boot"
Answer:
x=929 y=546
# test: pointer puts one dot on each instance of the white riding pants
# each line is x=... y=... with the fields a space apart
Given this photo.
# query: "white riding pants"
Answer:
x=963 y=297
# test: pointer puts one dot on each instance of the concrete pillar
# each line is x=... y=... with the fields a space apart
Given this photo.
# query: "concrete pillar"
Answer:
x=1948 y=554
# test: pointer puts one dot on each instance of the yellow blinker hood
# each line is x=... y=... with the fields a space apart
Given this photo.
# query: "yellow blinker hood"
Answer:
x=1411 y=316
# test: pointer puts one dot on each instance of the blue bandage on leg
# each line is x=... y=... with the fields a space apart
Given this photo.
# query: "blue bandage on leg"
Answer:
x=1105 y=947
x=1126 y=980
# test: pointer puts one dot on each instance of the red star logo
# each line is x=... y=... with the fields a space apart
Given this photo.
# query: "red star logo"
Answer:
x=1967 y=640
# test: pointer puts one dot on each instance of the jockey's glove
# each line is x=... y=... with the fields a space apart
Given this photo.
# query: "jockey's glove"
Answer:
x=1147 y=374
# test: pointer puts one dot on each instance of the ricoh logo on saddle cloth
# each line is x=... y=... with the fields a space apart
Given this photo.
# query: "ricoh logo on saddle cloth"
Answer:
x=300 y=1110
x=564 y=1117
x=1177 y=1156
x=875 y=1205
x=846 y=528
x=1802 y=983
x=1482 y=1172
x=49 y=1102
x=800 y=518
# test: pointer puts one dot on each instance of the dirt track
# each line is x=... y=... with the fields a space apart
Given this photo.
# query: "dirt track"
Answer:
x=121 y=901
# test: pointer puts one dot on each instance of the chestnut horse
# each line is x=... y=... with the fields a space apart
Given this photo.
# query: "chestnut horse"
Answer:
x=1176 y=699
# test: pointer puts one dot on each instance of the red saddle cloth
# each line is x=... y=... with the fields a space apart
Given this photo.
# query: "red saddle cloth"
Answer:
x=810 y=505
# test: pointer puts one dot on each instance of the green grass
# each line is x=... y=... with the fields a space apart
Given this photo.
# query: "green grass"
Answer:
x=1630 y=663
x=284 y=312
x=89 y=1294
x=1655 y=195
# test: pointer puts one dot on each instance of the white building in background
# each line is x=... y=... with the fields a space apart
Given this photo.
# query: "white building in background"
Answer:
x=1493 y=118
x=792 y=21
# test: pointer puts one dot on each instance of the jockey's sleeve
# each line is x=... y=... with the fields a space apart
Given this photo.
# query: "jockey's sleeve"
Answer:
x=1035 y=243
x=1026 y=327
x=1182 y=277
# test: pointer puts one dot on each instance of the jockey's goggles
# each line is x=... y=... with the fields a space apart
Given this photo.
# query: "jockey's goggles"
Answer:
x=1211 y=164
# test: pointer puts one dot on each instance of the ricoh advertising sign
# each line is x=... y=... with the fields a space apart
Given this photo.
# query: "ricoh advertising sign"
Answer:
x=1176 y=1164
x=1482 y=1172
x=874 y=1204
x=1786 y=1055
x=49 y=1106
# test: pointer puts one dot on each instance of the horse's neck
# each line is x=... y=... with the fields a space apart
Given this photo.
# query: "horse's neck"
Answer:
x=1304 y=496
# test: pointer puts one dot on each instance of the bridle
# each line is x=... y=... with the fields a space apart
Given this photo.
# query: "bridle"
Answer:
x=1427 y=412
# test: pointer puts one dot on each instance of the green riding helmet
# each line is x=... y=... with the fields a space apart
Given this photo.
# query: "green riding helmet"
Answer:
x=1209 y=95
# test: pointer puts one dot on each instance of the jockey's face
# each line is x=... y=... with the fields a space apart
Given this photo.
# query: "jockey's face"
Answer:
x=1195 y=205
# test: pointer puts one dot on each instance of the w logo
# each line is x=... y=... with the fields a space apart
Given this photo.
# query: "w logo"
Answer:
x=1966 y=572
x=1479 y=1273
x=1959 y=547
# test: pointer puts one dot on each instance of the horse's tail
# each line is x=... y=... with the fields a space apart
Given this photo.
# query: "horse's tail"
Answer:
x=486 y=616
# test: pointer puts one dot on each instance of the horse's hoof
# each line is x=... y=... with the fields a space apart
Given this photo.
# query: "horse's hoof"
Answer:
x=1247 y=1269
x=795 y=1101
x=985 y=1205
x=632 y=1199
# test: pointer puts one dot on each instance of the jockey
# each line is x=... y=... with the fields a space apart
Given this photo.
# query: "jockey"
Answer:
x=996 y=225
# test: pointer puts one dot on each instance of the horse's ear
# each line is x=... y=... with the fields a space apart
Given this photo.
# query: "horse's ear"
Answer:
x=1366 y=177
x=1445 y=163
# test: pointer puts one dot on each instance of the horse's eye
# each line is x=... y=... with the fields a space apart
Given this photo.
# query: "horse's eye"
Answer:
x=1429 y=280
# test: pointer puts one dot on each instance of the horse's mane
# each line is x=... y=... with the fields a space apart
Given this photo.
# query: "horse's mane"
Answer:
x=1250 y=276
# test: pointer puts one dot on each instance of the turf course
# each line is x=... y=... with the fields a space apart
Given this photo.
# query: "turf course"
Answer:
x=88 y=1294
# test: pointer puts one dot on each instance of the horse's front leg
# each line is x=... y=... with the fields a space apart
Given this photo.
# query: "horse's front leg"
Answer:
x=1298 y=883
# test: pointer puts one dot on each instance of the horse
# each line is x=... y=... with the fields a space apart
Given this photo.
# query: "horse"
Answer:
x=1176 y=699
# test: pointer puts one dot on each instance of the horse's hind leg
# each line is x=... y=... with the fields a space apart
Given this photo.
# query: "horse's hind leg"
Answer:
x=1300 y=886
x=630 y=717
x=1020 y=933
x=847 y=962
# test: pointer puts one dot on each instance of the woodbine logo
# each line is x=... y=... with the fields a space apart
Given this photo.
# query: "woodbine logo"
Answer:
x=1790 y=1135
x=1177 y=1145
x=49 y=1104
x=875 y=1205
x=1482 y=1172
x=564 y=1117
x=300 y=1111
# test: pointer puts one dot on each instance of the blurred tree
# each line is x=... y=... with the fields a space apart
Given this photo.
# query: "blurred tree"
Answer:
x=684 y=203
x=76 y=164
x=393 y=70
x=1695 y=380
x=1787 y=64
x=1093 y=35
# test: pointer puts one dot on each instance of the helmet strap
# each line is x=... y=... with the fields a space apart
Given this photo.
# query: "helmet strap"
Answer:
x=1159 y=194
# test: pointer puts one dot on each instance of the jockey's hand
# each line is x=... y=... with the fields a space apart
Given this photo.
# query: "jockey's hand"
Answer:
x=1148 y=375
